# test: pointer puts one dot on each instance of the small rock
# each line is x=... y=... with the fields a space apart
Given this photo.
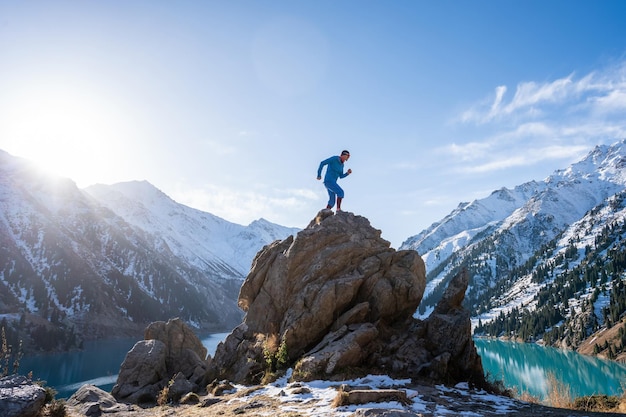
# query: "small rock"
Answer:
x=217 y=388
x=190 y=398
x=209 y=401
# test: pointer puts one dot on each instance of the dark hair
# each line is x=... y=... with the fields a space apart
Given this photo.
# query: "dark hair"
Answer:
x=344 y=152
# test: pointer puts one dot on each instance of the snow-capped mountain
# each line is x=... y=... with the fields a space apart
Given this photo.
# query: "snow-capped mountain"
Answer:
x=109 y=259
x=518 y=243
x=221 y=248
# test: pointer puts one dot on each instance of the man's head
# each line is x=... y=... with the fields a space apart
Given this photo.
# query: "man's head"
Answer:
x=345 y=155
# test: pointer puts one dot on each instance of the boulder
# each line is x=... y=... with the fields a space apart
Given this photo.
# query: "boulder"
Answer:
x=450 y=337
x=185 y=352
x=364 y=396
x=90 y=401
x=170 y=350
x=180 y=386
x=143 y=373
x=336 y=297
x=20 y=397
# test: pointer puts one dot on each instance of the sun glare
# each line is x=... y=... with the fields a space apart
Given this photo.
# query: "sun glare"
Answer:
x=66 y=133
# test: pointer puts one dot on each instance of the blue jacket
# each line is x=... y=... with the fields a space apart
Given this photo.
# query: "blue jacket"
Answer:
x=334 y=169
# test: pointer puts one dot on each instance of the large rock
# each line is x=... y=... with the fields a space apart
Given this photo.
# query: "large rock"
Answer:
x=450 y=337
x=185 y=353
x=143 y=373
x=337 y=297
x=20 y=397
x=169 y=350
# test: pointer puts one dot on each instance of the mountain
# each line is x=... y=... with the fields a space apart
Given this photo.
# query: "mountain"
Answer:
x=107 y=260
x=544 y=257
x=221 y=248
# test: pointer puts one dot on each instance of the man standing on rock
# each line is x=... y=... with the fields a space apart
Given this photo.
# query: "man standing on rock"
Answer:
x=334 y=171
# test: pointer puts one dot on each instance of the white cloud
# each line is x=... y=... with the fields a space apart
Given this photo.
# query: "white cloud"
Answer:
x=528 y=96
x=556 y=120
x=595 y=129
x=530 y=93
x=500 y=91
x=287 y=207
x=468 y=151
x=597 y=91
x=614 y=101
x=524 y=156
x=534 y=129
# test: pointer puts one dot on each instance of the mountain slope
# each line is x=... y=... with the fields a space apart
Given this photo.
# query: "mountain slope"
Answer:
x=73 y=266
x=221 y=248
x=519 y=247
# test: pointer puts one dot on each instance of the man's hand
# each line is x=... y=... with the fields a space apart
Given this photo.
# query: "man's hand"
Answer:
x=319 y=178
x=349 y=171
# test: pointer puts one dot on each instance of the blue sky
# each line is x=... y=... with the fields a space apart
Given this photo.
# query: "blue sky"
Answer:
x=229 y=106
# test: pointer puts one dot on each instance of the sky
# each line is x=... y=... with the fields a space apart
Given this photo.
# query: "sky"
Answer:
x=230 y=106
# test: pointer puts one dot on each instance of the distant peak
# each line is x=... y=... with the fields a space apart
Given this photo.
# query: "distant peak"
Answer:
x=259 y=221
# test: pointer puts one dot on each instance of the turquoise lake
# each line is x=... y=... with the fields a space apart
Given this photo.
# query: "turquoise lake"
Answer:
x=97 y=364
x=523 y=367
x=527 y=368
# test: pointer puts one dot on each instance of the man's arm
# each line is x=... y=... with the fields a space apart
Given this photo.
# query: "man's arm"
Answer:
x=348 y=172
x=322 y=164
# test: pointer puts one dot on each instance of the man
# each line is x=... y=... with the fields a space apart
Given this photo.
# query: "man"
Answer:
x=334 y=171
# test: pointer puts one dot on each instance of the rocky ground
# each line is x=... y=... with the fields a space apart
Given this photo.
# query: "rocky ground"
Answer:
x=315 y=399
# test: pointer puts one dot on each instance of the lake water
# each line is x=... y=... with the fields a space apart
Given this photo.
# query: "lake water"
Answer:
x=527 y=368
x=97 y=364
x=524 y=367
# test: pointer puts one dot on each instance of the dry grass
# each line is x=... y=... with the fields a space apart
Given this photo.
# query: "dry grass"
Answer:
x=340 y=399
x=527 y=397
x=54 y=409
x=163 y=397
x=270 y=344
x=559 y=394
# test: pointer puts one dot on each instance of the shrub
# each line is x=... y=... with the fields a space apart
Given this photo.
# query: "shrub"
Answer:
x=54 y=409
x=164 y=395
x=6 y=356
x=597 y=403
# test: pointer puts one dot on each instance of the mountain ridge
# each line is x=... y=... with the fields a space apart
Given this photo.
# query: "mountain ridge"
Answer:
x=524 y=201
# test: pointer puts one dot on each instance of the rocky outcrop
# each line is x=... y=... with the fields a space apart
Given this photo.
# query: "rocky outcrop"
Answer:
x=170 y=351
x=20 y=397
x=337 y=297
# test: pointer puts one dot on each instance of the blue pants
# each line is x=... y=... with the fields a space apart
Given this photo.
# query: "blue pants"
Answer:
x=334 y=191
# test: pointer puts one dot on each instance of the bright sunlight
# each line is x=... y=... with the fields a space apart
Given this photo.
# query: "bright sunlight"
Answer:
x=67 y=132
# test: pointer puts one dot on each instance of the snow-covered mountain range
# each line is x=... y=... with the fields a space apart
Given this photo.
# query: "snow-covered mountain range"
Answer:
x=548 y=207
x=507 y=237
x=108 y=259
